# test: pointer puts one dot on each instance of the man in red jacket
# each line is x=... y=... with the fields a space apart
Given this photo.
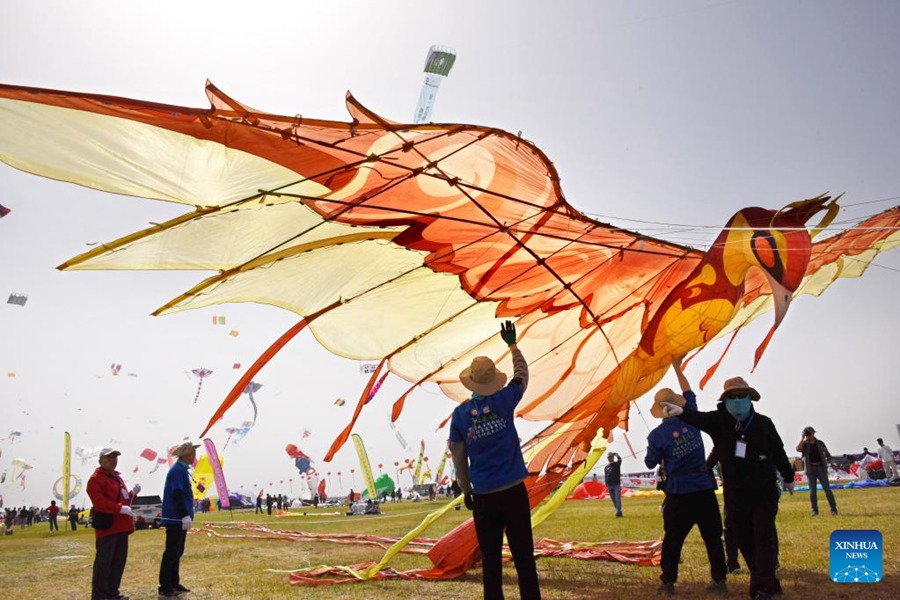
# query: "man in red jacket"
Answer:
x=52 y=512
x=113 y=523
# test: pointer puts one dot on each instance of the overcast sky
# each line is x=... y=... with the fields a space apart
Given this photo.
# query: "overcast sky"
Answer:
x=661 y=117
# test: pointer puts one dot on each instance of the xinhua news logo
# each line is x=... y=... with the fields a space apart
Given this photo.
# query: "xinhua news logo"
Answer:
x=856 y=556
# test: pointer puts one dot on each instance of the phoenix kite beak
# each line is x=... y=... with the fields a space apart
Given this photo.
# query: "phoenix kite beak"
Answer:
x=782 y=297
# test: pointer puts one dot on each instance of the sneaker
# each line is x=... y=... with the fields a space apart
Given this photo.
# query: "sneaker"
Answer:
x=620 y=514
x=735 y=570
x=814 y=513
x=717 y=588
x=180 y=589
x=167 y=594
x=666 y=589
x=834 y=512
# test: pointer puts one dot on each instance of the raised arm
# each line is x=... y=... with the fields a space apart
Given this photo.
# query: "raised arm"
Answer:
x=520 y=366
x=679 y=373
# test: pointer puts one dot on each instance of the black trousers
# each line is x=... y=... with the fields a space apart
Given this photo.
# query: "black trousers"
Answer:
x=169 y=576
x=54 y=524
x=507 y=510
x=754 y=518
x=109 y=564
x=681 y=513
x=731 y=545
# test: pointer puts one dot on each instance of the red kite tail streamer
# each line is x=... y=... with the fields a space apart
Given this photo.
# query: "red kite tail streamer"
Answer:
x=260 y=362
x=341 y=439
x=712 y=370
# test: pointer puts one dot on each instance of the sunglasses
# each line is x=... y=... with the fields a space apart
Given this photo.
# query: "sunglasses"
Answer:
x=736 y=396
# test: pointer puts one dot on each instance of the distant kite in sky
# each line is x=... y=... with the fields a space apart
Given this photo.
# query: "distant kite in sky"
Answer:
x=234 y=333
x=438 y=63
x=200 y=374
x=406 y=243
x=4 y=211
x=306 y=434
x=251 y=389
x=236 y=366
x=400 y=439
x=236 y=434
x=367 y=368
x=18 y=299
x=339 y=402
x=218 y=320
x=301 y=460
x=115 y=368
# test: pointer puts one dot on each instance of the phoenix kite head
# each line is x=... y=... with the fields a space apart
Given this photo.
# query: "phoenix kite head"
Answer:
x=779 y=243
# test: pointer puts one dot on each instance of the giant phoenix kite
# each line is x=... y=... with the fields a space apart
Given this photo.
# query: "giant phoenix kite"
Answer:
x=439 y=230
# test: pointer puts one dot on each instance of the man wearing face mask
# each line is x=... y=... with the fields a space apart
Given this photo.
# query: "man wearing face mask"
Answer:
x=751 y=451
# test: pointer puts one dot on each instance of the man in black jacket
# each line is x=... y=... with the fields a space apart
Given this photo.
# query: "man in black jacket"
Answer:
x=816 y=459
x=751 y=451
x=612 y=475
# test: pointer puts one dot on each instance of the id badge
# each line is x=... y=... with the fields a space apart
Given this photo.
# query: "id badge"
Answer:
x=740 y=449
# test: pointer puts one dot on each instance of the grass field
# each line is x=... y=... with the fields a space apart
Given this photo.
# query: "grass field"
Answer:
x=36 y=564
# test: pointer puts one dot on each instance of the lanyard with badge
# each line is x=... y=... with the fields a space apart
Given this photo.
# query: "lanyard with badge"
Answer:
x=740 y=446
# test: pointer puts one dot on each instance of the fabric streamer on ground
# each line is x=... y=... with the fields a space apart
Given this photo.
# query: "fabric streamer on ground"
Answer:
x=641 y=553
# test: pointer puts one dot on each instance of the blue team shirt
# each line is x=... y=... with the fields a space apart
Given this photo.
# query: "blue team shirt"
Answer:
x=485 y=425
x=177 y=478
x=681 y=447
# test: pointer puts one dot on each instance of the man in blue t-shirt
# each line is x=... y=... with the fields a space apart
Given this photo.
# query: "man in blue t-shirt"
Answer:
x=490 y=468
x=690 y=489
x=177 y=516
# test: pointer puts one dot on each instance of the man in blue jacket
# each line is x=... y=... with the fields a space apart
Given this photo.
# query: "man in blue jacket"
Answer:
x=490 y=468
x=177 y=516
x=690 y=489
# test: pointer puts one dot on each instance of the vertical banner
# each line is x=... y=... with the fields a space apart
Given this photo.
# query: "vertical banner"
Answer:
x=419 y=464
x=218 y=475
x=440 y=470
x=364 y=465
x=66 y=470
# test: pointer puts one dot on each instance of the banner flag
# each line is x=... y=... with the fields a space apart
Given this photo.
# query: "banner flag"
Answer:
x=218 y=475
x=365 y=466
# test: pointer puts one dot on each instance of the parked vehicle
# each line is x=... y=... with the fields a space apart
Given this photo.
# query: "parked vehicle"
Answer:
x=147 y=512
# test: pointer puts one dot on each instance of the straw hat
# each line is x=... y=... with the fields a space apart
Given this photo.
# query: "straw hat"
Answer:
x=183 y=449
x=482 y=377
x=737 y=384
x=665 y=395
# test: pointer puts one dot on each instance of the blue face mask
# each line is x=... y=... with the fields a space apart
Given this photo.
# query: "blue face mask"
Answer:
x=739 y=408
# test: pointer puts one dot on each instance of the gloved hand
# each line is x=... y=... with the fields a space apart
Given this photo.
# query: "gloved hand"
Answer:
x=508 y=332
x=136 y=489
x=186 y=523
x=671 y=410
x=126 y=510
x=469 y=501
